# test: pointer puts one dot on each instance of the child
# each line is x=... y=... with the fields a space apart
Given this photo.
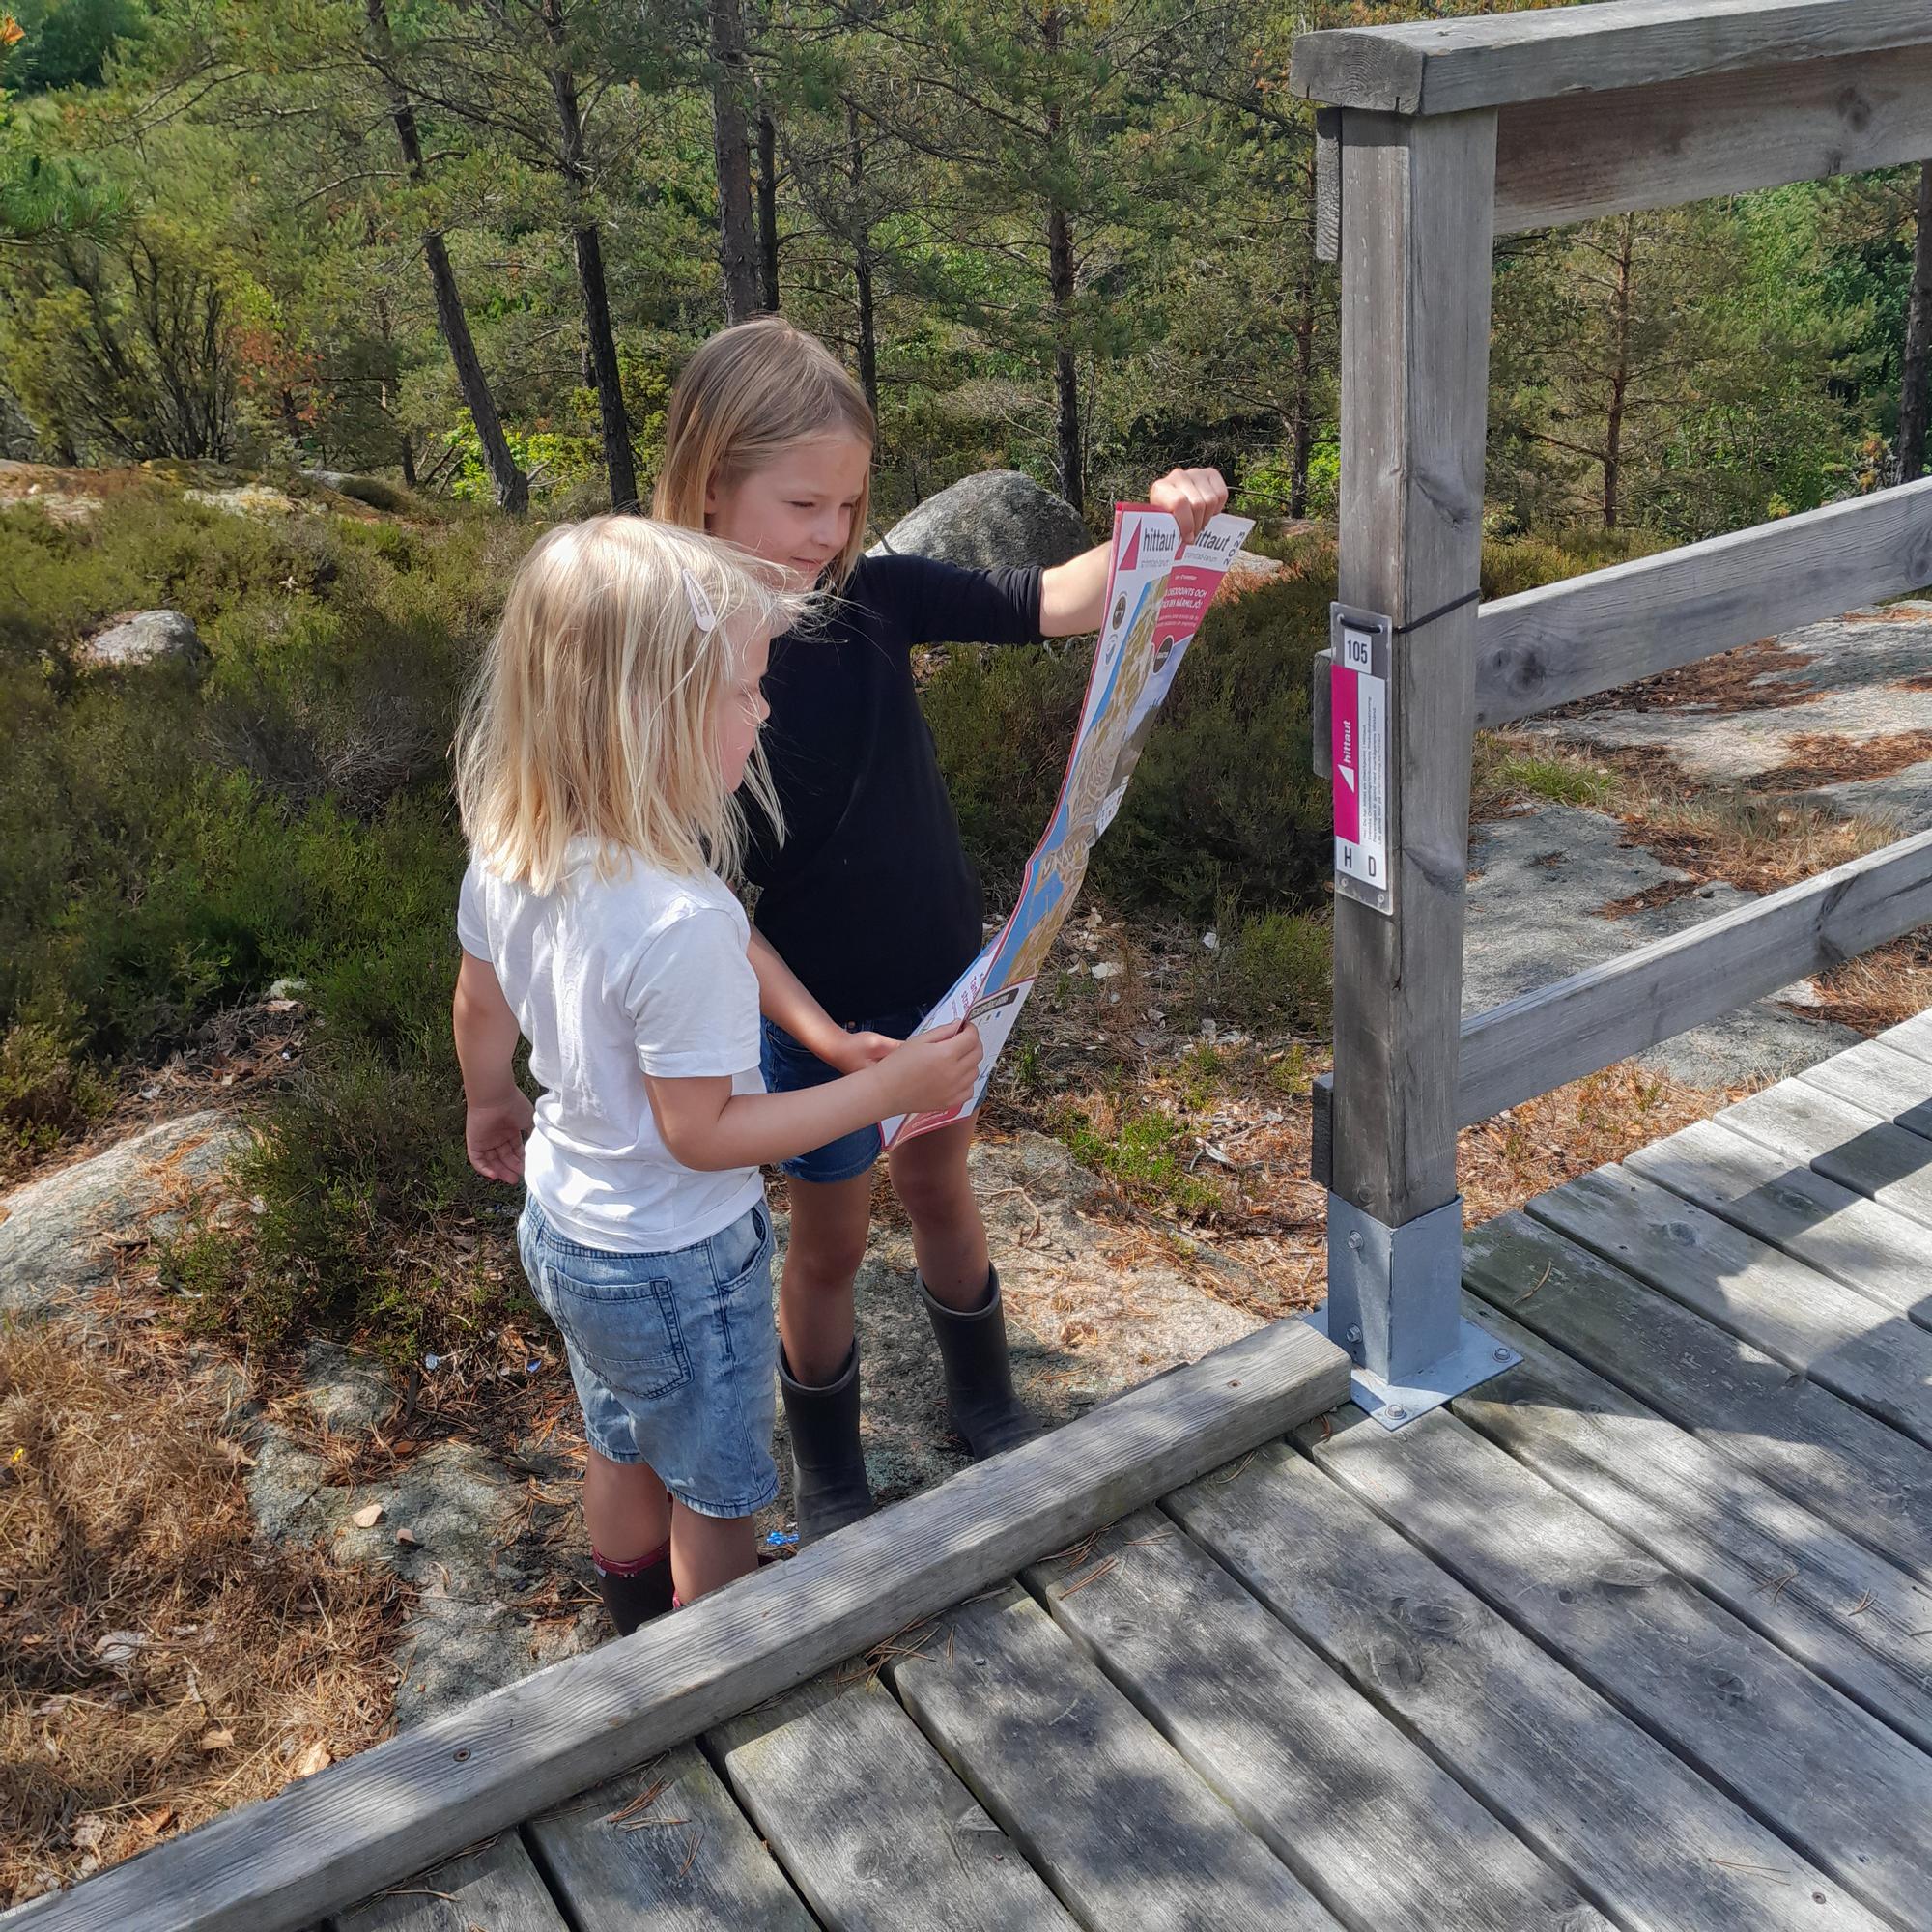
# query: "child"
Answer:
x=870 y=899
x=615 y=715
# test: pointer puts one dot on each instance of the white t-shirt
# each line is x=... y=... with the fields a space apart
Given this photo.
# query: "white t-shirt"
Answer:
x=611 y=980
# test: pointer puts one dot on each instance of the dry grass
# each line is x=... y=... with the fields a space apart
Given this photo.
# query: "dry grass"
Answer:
x=162 y=1665
x=1883 y=988
x=1542 y=1143
x=1754 y=836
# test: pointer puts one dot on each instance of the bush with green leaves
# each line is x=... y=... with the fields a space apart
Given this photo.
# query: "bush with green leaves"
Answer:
x=172 y=842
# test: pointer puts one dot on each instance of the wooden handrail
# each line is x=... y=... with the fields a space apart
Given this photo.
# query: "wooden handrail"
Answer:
x=1594 y=1018
x=1552 y=645
x=1450 y=67
x=1686 y=140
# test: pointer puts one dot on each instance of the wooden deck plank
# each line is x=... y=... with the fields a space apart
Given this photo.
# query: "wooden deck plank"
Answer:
x=1913 y=1036
x=496 y=1886
x=869 y=1822
x=1846 y=1143
x=1381 y=1834
x=332 y=1840
x=686 y=1861
x=1887 y=1258
x=1829 y=1457
x=1107 y=1810
x=1632 y=1826
x=1862 y=1624
x=1882 y=1075
x=1849 y=1794
x=1878 y=1361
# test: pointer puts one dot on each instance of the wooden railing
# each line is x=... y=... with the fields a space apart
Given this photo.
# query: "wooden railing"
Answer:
x=1435 y=138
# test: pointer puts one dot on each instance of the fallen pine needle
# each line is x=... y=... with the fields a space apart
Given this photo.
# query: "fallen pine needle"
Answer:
x=1538 y=1283
x=691 y=1857
x=642 y=1802
x=1092 y=1575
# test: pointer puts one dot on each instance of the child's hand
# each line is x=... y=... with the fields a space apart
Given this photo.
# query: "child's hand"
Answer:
x=1192 y=498
x=494 y=1136
x=854 y=1052
x=934 y=1072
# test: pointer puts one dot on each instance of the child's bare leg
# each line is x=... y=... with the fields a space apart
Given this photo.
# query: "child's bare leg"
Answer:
x=709 y=1551
x=628 y=1515
x=625 y=1508
x=829 y=1226
x=949 y=1236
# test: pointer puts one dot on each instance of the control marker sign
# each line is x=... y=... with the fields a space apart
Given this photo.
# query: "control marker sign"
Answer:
x=1358 y=683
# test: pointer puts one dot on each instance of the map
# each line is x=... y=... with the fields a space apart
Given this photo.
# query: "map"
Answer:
x=1157 y=592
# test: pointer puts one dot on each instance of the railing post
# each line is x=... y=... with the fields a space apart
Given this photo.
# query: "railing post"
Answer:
x=1417 y=216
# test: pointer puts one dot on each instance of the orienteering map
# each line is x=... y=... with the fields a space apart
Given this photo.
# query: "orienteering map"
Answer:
x=1157 y=594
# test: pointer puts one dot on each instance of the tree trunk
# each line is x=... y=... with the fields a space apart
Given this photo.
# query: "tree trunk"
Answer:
x=1302 y=429
x=737 y=250
x=386 y=328
x=589 y=248
x=1620 y=377
x=862 y=263
x=512 y=487
x=618 y=462
x=1915 y=389
x=768 y=211
x=1066 y=374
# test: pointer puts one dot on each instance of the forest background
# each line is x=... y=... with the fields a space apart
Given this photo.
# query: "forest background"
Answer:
x=430 y=268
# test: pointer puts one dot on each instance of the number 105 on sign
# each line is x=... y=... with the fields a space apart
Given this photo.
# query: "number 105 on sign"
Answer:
x=1358 y=714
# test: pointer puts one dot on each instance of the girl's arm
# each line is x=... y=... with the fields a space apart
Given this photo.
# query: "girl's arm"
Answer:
x=708 y=1126
x=499 y=1114
x=1072 y=594
x=783 y=1000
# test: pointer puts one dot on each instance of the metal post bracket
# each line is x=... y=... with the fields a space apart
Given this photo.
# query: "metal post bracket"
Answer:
x=1395 y=1305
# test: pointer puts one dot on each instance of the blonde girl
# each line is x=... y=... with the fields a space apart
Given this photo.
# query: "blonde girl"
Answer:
x=869 y=897
x=617 y=715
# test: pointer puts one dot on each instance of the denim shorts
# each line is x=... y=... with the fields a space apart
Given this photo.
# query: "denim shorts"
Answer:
x=674 y=1356
x=788 y=1067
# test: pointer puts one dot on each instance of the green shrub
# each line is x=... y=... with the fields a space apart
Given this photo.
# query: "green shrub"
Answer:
x=1267 y=970
x=45 y=1090
x=1527 y=562
x=1146 y=1154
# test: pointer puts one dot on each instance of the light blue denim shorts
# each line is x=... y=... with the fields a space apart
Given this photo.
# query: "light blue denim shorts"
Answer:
x=674 y=1356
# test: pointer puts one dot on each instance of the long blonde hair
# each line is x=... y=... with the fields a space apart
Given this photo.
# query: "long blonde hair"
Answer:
x=594 y=713
x=747 y=395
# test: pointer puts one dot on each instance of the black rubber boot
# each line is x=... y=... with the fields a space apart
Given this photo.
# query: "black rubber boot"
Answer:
x=828 y=1468
x=979 y=1376
x=635 y=1592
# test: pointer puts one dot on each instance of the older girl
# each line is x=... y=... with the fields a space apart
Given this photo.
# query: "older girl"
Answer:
x=870 y=899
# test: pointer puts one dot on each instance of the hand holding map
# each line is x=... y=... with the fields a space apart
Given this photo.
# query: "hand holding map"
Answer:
x=1157 y=592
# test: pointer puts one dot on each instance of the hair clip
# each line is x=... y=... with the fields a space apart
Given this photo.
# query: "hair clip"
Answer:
x=702 y=612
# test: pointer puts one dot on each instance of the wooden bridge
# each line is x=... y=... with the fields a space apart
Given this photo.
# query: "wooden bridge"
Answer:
x=1610 y=1606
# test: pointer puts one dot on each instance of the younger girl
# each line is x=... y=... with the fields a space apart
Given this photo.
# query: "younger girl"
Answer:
x=616 y=714
x=870 y=897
